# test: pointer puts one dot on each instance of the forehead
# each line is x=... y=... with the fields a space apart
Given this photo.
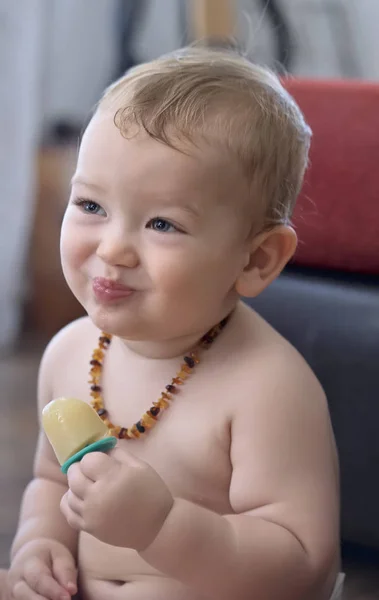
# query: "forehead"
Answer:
x=109 y=160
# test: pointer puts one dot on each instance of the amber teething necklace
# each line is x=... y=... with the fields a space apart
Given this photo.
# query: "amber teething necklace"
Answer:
x=149 y=418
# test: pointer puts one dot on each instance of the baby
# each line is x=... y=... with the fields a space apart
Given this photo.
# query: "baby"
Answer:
x=224 y=482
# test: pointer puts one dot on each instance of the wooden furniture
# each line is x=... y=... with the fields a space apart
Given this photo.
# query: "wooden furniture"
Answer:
x=213 y=19
x=50 y=304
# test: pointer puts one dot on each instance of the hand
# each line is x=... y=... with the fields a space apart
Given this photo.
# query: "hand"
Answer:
x=42 y=570
x=117 y=498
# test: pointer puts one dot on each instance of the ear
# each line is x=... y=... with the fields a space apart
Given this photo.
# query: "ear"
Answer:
x=268 y=254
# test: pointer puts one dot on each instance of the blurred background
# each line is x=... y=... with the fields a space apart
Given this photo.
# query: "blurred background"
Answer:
x=56 y=58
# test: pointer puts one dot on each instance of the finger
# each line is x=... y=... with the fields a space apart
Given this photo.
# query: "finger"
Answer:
x=64 y=571
x=96 y=464
x=72 y=518
x=39 y=578
x=74 y=503
x=22 y=591
x=77 y=481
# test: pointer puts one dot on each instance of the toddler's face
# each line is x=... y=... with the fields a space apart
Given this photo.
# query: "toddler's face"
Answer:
x=166 y=225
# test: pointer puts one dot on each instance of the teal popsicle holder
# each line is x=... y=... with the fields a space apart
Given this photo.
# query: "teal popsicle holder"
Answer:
x=103 y=445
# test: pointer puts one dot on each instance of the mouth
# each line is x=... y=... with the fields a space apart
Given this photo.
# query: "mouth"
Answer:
x=108 y=290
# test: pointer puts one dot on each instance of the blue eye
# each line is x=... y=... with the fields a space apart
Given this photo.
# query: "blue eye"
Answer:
x=91 y=207
x=88 y=206
x=161 y=225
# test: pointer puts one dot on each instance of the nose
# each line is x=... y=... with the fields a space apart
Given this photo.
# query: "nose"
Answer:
x=118 y=250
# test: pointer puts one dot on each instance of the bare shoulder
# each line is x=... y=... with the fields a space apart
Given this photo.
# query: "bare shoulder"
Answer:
x=68 y=349
x=283 y=453
x=270 y=368
x=64 y=363
x=73 y=333
x=281 y=404
x=280 y=414
x=280 y=396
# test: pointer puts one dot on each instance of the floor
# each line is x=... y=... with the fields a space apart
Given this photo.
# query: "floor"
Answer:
x=18 y=430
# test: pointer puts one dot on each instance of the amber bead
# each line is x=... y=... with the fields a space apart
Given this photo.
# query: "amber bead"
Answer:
x=161 y=403
x=99 y=355
x=189 y=361
x=195 y=357
x=95 y=363
x=207 y=339
x=149 y=418
x=134 y=431
x=148 y=421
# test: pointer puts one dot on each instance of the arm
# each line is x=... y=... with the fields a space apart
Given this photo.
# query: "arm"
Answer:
x=282 y=541
x=40 y=515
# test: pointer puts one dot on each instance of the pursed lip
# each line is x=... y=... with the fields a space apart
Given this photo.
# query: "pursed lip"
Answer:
x=109 y=289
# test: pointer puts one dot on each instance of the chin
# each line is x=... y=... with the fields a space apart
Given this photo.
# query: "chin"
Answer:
x=117 y=324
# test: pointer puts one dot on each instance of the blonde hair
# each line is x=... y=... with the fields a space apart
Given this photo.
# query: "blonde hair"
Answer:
x=219 y=96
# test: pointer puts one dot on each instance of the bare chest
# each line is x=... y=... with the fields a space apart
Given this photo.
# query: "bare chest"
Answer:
x=190 y=442
x=189 y=446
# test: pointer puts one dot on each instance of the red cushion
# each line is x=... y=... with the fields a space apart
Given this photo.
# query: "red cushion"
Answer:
x=337 y=216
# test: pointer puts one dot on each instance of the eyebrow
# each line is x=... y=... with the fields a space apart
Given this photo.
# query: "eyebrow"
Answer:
x=169 y=202
x=191 y=210
x=78 y=180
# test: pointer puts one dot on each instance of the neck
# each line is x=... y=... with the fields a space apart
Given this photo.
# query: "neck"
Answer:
x=166 y=349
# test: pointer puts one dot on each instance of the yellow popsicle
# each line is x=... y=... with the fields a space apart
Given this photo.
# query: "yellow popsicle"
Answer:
x=71 y=425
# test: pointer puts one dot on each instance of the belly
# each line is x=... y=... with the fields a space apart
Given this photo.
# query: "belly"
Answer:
x=152 y=589
x=121 y=574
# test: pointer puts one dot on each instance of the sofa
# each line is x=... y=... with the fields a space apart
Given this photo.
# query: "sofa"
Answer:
x=327 y=300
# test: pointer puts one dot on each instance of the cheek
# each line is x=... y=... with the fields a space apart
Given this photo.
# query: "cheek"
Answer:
x=73 y=257
x=195 y=271
x=72 y=247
